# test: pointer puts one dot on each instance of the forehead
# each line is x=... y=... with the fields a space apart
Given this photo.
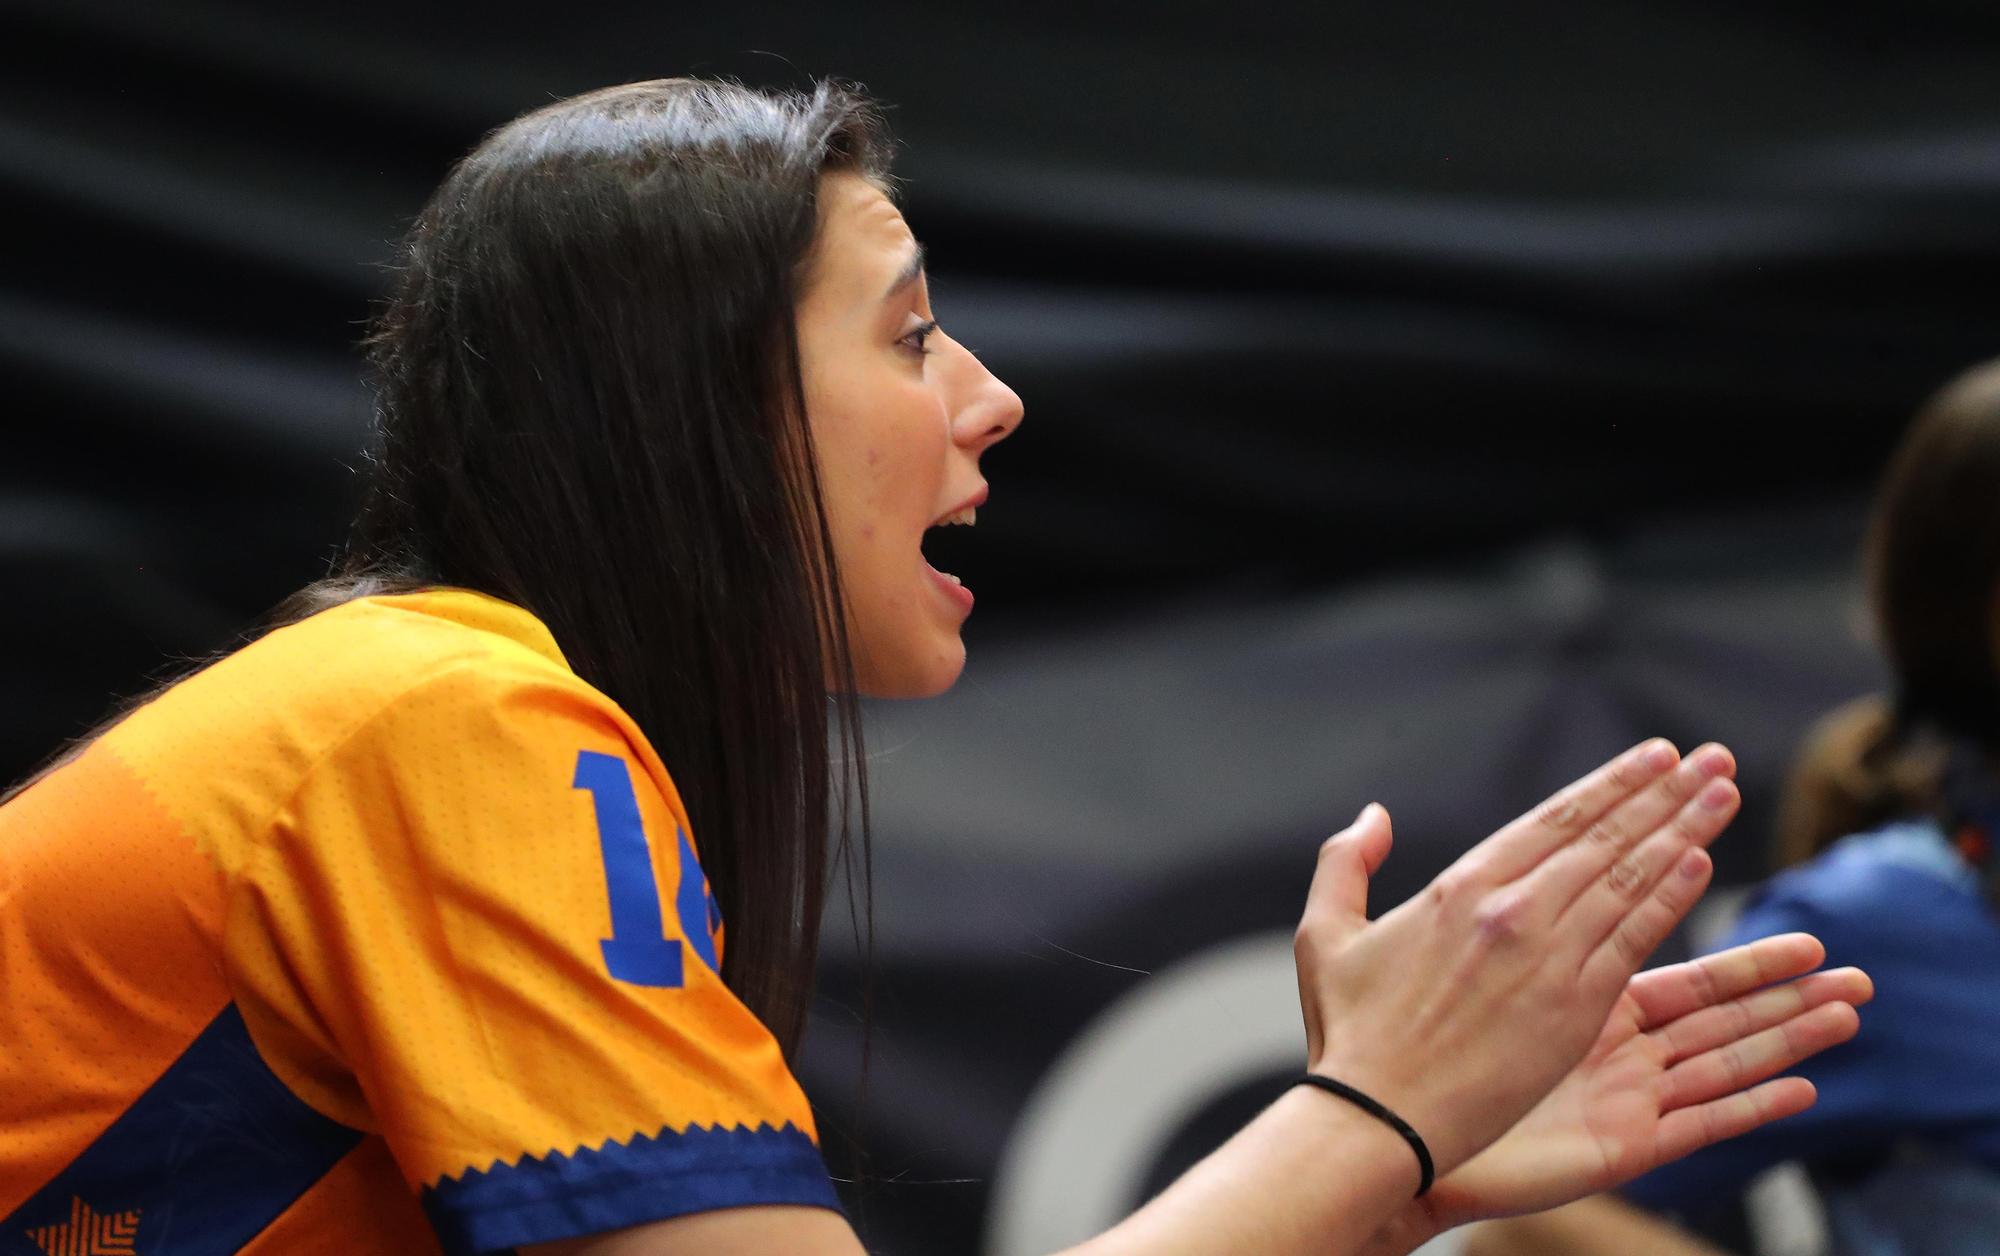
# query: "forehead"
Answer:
x=863 y=240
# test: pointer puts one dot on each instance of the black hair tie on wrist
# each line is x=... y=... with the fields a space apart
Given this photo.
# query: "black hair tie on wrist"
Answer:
x=1382 y=1114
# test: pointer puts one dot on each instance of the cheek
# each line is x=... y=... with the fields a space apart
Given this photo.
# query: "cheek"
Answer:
x=883 y=447
x=901 y=468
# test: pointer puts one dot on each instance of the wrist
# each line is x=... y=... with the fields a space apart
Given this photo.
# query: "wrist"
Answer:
x=1377 y=1110
x=1309 y=1174
x=1358 y=1133
x=1416 y=1225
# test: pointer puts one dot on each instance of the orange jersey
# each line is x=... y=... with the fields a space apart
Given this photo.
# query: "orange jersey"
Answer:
x=384 y=934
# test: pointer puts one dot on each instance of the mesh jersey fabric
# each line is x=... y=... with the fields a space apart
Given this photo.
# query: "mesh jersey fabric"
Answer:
x=384 y=933
x=1923 y=1072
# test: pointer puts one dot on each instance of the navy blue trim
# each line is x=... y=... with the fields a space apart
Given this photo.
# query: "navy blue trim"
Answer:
x=210 y=1154
x=650 y=1178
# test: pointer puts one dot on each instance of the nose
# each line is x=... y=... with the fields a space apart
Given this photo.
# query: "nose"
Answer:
x=984 y=411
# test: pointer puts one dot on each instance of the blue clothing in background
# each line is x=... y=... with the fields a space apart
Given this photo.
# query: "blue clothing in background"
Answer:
x=1923 y=1071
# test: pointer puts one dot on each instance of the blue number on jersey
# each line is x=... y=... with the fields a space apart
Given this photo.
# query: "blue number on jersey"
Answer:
x=638 y=949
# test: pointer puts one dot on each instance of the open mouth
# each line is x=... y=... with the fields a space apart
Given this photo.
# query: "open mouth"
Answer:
x=947 y=544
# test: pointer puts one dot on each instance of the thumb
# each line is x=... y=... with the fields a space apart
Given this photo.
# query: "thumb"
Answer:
x=1347 y=860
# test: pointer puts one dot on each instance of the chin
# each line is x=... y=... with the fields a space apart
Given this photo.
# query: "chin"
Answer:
x=923 y=672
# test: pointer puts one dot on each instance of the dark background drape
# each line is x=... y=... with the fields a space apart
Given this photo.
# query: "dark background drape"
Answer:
x=1423 y=401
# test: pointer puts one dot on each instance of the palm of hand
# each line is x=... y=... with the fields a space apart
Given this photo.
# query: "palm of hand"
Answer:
x=1675 y=1068
x=1595 y=1130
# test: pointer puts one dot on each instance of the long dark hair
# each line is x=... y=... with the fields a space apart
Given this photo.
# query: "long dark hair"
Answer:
x=1932 y=562
x=588 y=403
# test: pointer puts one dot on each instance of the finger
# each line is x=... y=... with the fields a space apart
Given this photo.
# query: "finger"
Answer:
x=1568 y=873
x=1738 y=1019
x=1647 y=924
x=1691 y=1129
x=1667 y=994
x=1521 y=846
x=1338 y=899
x=1613 y=897
x=1731 y=1068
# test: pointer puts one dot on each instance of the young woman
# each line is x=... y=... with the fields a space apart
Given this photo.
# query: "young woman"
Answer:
x=1888 y=832
x=403 y=926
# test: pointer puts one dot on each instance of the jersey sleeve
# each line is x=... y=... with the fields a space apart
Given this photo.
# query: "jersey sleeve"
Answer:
x=482 y=927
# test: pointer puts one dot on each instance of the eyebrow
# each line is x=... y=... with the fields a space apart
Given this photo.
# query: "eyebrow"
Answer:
x=911 y=269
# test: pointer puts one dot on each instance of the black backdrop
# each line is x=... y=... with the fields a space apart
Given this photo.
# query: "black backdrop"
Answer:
x=1377 y=359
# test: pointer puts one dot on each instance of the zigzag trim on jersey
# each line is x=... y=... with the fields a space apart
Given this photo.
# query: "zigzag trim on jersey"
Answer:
x=618 y=1184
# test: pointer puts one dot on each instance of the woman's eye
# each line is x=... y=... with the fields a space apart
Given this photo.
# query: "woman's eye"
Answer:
x=914 y=339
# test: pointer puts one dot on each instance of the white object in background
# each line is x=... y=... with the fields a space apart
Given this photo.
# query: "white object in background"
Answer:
x=1450 y=1243
x=1100 y=1117
x=1785 y=1214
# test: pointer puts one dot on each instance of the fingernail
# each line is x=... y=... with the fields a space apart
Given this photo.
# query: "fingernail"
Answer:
x=1717 y=795
x=1658 y=755
x=1690 y=865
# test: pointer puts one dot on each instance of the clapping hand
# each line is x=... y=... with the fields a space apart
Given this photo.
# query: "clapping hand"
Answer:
x=1682 y=1063
x=1465 y=1007
x=1538 y=934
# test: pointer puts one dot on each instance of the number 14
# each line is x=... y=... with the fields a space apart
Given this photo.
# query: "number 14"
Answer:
x=638 y=950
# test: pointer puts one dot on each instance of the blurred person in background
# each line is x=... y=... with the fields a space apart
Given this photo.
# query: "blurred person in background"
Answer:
x=1887 y=834
x=390 y=931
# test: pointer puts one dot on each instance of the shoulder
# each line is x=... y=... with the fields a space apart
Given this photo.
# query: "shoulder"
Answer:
x=372 y=650
x=469 y=717
x=312 y=684
x=457 y=692
x=1862 y=865
x=436 y=681
x=1897 y=889
x=1888 y=869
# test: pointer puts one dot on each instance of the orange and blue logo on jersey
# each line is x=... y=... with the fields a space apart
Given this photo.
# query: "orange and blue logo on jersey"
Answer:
x=203 y=1159
x=89 y=1233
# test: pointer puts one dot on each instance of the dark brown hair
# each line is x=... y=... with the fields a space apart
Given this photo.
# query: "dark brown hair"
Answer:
x=1932 y=564
x=588 y=403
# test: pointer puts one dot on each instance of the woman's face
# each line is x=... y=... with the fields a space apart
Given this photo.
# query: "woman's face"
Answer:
x=900 y=413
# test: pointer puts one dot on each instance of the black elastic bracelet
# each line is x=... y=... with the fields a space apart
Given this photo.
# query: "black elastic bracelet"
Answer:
x=1380 y=1113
